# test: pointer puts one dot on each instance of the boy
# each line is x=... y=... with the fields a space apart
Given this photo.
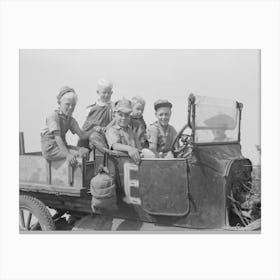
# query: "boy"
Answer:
x=160 y=134
x=137 y=122
x=120 y=136
x=53 y=142
x=99 y=113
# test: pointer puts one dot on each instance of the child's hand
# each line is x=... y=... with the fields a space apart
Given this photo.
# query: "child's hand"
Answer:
x=83 y=152
x=134 y=154
x=98 y=128
x=160 y=155
x=71 y=159
x=169 y=155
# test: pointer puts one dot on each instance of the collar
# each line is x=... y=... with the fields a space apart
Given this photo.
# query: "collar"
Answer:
x=102 y=104
x=119 y=127
x=136 y=118
x=62 y=115
x=165 y=130
x=158 y=124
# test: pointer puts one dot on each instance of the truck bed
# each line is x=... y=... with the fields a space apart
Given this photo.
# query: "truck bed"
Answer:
x=36 y=174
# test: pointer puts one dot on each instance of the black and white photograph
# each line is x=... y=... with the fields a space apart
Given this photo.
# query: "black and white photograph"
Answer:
x=140 y=140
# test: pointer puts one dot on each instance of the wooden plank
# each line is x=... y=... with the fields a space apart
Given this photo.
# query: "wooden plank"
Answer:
x=32 y=168
x=54 y=189
x=35 y=169
x=48 y=172
x=63 y=175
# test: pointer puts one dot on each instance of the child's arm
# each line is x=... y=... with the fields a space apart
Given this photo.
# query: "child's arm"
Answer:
x=132 y=152
x=83 y=135
x=53 y=125
x=113 y=139
x=70 y=157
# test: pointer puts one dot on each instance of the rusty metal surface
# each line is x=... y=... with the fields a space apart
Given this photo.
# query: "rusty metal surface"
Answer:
x=216 y=157
x=208 y=168
x=208 y=185
x=164 y=187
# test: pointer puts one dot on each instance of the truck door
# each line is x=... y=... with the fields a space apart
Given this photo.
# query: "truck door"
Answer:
x=162 y=186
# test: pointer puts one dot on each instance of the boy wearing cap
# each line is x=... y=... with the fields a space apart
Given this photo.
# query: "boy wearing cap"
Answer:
x=53 y=142
x=100 y=113
x=161 y=134
x=120 y=135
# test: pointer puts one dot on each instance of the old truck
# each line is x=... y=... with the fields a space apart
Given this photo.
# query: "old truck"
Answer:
x=193 y=190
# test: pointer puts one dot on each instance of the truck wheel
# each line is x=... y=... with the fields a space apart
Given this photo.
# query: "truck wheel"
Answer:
x=34 y=215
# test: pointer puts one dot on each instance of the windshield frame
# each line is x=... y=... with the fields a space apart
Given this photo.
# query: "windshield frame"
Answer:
x=191 y=123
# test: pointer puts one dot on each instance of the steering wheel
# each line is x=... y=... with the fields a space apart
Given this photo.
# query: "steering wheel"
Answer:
x=181 y=145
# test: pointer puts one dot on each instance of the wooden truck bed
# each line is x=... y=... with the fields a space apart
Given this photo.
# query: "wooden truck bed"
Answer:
x=39 y=175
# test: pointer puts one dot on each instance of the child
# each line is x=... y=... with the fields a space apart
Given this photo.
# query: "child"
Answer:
x=137 y=122
x=53 y=142
x=99 y=113
x=160 y=134
x=120 y=135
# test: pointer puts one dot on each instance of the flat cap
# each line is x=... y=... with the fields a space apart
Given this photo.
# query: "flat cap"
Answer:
x=123 y=105
x=162 y=103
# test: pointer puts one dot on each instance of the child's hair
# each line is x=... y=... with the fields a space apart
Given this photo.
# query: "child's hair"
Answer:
x=138 y=99
x=102 y=83
x=65 y=90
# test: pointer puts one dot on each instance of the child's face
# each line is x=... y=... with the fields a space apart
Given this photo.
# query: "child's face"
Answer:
x=105 y=94
x=137 y=110
x=67 y=106
x=163 y=115
x=122 y=119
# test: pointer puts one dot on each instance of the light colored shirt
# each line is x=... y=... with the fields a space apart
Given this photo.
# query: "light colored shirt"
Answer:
x=162 y=138
x=116 y=134
x=58 y=124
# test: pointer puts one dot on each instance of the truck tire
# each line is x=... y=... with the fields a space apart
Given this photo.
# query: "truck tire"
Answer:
x=34 y=215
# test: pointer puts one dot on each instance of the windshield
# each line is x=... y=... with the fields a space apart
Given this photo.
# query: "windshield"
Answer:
x=216 y=120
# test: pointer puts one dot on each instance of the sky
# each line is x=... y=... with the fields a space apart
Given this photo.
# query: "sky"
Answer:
x=152 y=74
